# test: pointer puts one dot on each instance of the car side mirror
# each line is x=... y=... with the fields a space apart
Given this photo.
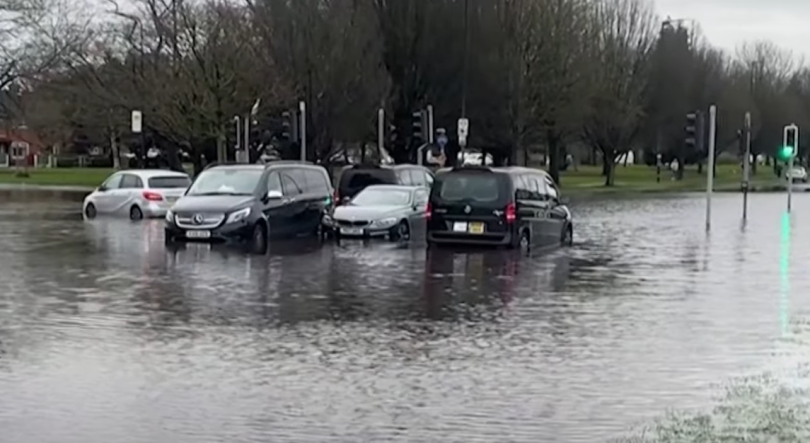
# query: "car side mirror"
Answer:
x=274 y=195
x=101 y=188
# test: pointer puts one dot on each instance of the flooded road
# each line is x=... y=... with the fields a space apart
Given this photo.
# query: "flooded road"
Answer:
x=107 y=337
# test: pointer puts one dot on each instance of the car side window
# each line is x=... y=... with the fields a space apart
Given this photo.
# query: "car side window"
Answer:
x=316 y=182
x=289 y=186
x=523 y=188
x=551 y=189
x=420 y=197
x=298 y=175
x=418 y=177
x=129 y=181
x=428 y=179
x=113 y=182
x=273 y=182
x=405 y=177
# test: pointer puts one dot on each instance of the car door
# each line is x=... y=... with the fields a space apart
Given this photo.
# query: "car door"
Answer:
x=557 y=214
x=104 y=198
x=311 y=199
x=127 y=194
x=295 y=205
x=277 y=213
x=418 y=217
x=535 y=209
x=318 y=187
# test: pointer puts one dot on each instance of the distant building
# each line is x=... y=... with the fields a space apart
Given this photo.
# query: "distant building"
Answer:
x=19 y=143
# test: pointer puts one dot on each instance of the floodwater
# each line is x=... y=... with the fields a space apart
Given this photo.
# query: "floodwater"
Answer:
x=107 y=337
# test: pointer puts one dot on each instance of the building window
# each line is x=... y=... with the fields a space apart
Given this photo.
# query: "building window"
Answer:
x=19 y=150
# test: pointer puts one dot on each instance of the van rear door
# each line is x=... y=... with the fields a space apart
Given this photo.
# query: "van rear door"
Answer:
x=468 y=197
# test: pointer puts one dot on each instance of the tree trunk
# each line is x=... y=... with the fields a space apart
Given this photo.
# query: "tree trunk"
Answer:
x=116 y=155
x=554 y=154
x=222 y=154
x=608 y=169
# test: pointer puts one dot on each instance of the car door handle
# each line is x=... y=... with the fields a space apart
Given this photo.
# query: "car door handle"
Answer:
x=287 y=200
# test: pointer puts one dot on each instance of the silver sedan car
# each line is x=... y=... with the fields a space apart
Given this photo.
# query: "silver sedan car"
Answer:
x=381 y=211
x=139 y=193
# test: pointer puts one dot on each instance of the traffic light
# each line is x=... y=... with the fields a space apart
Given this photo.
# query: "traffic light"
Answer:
x=790 y=143
x=286 y=126
x=417 y=126
x=392 y=131
x=691 y=131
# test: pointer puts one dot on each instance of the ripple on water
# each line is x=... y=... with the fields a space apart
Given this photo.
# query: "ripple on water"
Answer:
x=105 y=336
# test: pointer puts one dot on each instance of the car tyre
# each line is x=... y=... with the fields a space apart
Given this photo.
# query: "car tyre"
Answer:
x=524 y=241
x=135 y=213
x=567 y=238
x=90 y=211
x=400 y=232
x=258 y=240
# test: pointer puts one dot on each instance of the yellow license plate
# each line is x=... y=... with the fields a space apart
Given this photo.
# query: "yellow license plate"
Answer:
x=476 y=228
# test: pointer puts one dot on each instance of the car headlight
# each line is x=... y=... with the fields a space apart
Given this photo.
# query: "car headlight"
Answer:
x=238 y=215
x=384 y=223
x=169 y=216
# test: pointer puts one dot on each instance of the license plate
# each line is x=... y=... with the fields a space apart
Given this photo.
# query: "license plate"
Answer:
x=351 y=231
x=198 y=234
x=459 y=227
x=476 y=228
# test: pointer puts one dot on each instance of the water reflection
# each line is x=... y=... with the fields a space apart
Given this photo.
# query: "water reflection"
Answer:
x=101 y=326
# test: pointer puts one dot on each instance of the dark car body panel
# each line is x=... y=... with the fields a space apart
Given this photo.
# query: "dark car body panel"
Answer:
x=306 y=195
x=353 y=179
x=474 y=201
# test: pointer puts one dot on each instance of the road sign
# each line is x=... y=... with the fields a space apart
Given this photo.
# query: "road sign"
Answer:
x=463 y=128
x=137 y=122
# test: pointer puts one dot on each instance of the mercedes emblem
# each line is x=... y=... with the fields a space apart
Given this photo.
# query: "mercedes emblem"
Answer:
x=198 y=219
x=467 y=209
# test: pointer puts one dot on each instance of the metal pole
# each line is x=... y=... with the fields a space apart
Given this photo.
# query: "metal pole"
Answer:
x=466 y=58
x=710 y=169
x=241 y=157
x=380 y=132
x=302 y=107
x=789 y=174
x=746 y=163
x=430 y=123
x=238 y=122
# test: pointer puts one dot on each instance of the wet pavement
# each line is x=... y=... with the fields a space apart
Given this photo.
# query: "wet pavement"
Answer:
x=107 y=337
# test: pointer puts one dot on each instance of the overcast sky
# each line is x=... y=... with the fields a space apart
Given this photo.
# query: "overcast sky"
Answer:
x=727 y=23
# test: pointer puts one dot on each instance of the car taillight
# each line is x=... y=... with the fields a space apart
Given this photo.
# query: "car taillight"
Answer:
x=510 y=213
x=429 y=211
x=336 y=197
x=152 y=196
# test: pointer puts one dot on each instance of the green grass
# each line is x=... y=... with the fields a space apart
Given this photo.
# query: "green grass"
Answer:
x=640 y=178
x=90 y=177
x=587 y=179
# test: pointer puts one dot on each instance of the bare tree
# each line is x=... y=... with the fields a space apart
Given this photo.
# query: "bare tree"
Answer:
x=621 y=46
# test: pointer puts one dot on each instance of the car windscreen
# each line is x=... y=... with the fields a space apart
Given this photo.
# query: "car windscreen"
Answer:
x=482 y=188
x=382 y=197
x=354 y=181
x=226 y=181
x=169 y=182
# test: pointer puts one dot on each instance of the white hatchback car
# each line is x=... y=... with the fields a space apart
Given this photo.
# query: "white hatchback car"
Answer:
x=140 y=193
x=797 y=174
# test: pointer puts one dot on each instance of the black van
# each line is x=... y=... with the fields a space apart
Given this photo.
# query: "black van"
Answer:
x=511 y=206
x=355 y=178
x=252 y=203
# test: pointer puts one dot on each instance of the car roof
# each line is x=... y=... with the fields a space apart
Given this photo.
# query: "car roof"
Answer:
x=149 y=173
x=506 y=169
x=393 y=187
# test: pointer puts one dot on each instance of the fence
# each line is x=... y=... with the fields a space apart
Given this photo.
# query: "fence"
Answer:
x=56 y=161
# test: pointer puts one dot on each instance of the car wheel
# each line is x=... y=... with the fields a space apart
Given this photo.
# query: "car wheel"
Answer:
x=258 y=240
x=525 y=241
x=90 y=211
x=168 y=238
x=135 y=213
x=400 y=232
x=567 y=236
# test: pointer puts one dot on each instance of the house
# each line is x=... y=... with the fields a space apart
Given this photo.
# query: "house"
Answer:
x=19 y=143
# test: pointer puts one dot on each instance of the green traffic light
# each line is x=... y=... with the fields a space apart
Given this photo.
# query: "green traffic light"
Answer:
x=786 y=152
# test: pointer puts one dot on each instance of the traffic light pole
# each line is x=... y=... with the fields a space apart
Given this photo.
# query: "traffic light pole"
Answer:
x=380 y=132
x=302 y=107
x=710 y=166
x=794 y=149
x=746 y=164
